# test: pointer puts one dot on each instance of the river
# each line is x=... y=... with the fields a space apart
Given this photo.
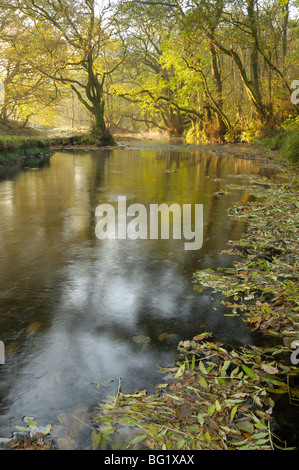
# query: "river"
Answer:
x=77 y=314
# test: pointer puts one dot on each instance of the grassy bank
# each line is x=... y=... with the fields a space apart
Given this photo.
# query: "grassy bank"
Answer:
x=18 y=143
x=82 y=140
x=286 y=140
x=220 y=397
x=16 y=148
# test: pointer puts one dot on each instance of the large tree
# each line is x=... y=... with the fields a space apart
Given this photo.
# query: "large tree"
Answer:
x=147 y=79
x=26 y=90
x=83 y=49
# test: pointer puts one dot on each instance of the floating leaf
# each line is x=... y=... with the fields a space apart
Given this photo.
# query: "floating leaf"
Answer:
x=31 y=422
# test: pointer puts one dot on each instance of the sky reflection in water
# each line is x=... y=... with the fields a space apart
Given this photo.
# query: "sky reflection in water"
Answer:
x=75 y=310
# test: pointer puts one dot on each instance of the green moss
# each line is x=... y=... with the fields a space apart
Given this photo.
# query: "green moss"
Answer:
x=14 y=148
x=286 y=141
x=84 y=140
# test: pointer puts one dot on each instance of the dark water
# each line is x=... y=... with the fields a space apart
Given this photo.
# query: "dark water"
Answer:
x=76 y=311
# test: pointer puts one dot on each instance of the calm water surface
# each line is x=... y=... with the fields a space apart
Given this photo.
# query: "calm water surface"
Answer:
x=76 y=311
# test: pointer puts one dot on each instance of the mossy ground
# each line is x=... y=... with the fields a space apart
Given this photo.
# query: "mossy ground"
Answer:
x=16 y=148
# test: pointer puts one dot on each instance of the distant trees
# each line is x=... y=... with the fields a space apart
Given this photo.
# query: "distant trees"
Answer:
x=146 y=79
x=26 y=91
x=219 y=69
x=243 y=54
x=78 y=46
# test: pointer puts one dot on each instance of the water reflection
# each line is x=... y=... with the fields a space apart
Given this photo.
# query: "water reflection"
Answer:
x=75 y=310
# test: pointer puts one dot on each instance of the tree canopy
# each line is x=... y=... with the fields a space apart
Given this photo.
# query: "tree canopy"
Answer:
x=221 y=70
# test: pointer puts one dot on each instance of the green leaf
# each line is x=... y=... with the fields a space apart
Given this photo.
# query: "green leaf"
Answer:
x=22 y=428
x=202 y=368
x=203 y=383
x=261 y=442
x=224 y=367
x=47 y=429
x=246 y=426
x=96 y=438
x=31 y=422
x=239 y=443
x=180 y=444
x=138 y=439
x=201 y=419
x=233 y=413
x=217 y=405
x=207 y=437
x=260 y=435
x=248 y=371
x=276 y=390
x=180 y=371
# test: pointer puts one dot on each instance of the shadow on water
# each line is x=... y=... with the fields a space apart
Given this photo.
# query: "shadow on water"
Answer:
x=77 y=313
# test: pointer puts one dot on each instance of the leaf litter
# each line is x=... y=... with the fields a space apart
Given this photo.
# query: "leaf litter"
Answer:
x=218 y=397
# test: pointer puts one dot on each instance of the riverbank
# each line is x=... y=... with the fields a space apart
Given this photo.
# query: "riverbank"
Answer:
x=218 y=397
x=16 y=149
x=18 y=144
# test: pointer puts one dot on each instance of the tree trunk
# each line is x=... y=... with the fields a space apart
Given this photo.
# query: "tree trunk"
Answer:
x=100 y=129
x=254 y=56
x=221 y=125
x=285 y=29
x=98 y=112
x=175 y=123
